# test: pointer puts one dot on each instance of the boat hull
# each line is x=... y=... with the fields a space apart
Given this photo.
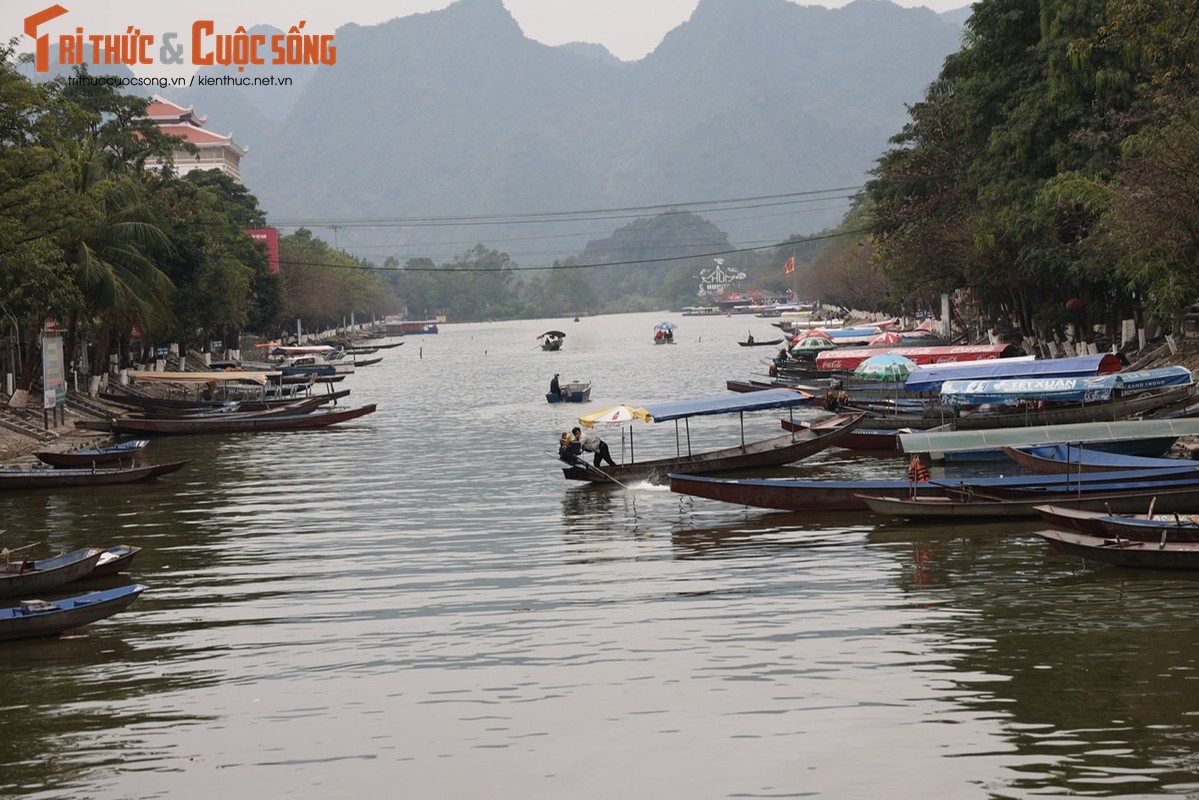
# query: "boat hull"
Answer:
x=17 y=479
x=36 y=618
x=88 y=458
x=1125 y=552
x=43 y=575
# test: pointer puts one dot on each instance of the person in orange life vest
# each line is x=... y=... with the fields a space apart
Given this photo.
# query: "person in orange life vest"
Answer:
x=917 y=472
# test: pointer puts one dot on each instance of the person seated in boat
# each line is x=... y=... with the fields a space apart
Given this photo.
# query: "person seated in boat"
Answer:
x=570 y=450
x=658 y=335
x=669 y=335
x=593 y=444
x=749 y=338
x=555 y=387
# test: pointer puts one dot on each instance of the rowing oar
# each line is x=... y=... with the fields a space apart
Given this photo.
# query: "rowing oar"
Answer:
x=586 y=466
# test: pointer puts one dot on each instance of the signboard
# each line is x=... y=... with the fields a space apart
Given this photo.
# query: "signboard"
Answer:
x=270 y=238
x=54 y=374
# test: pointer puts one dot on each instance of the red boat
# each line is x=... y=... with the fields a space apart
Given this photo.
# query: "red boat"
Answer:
x=848 y=359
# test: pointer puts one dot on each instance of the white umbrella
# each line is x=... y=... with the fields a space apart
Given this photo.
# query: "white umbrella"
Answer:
x=616 y=417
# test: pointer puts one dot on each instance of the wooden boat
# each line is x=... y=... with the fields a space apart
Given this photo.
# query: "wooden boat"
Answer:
x=237 y=423
x=871 y=440
x=45 y=574
x=152 y=404
x=760 y=342
x=1125 y=552
x=787 y=494
x=294 y=406
x=11 y=479
x=772 y=452
x=114 y=560
x=39 y=618
x=97 y=455
x=969 y=504
x=1061 y=458
x=573 y=392
x=938 y=442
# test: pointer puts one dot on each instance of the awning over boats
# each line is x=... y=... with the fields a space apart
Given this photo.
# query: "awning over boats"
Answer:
x=1062 y=389
x=930 y=377
x=848 y=358
x=1081 y=432
x=727 y=404
x=146 y=376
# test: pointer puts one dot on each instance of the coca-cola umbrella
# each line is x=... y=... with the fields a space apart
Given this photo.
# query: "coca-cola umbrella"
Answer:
x=885 y=367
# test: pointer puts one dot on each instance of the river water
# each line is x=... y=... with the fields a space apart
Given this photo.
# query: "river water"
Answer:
x=417 y=605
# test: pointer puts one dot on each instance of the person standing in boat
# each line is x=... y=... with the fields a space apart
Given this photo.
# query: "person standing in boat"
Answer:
x=555 y=387
x=594 y=444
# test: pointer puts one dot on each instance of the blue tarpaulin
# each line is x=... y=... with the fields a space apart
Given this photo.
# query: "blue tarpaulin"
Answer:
x=929 y=378
x=727 y=404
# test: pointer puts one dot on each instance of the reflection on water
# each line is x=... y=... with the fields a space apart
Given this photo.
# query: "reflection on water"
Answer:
x=419 y=598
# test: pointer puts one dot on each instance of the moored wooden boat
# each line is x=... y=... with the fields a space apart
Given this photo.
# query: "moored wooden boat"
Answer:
x=97 y=455
x=786 y=494
x=959 y=504
x=1125 y=552
x=871 y=440
x=114 y=560
x=1061 y=458
x=238 y=424
x=25 y=577
x=40 y=618
x=11 y=479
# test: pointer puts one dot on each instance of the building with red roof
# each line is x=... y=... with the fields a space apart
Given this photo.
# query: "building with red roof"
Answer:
x=215 y=151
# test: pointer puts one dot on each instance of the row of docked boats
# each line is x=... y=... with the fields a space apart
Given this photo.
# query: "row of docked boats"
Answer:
x=1078 y=433
x=275 y=405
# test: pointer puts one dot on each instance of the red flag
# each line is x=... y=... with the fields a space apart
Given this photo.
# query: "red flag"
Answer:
x=787 y=270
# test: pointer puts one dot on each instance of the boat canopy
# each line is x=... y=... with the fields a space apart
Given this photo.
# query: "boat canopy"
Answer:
x=1062 y=389
x=937 y=441
x=929 y=378
x=847 y=359
x=146 y=376
x=553 y=335
x=727 y=404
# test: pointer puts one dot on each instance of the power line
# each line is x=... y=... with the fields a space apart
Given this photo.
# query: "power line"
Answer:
x=638 y=262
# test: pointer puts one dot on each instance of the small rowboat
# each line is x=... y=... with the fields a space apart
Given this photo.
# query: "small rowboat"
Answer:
x=39 y=618
x=98 y=455
x=760 y=342
x=1125 y=552
x=46 y=574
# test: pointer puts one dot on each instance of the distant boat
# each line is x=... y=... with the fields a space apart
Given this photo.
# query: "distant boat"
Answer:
x=551 y=340
x=572 y=392
x=41 y=618
x=760 y=342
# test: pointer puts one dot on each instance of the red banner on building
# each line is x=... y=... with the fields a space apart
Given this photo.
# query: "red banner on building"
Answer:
x=270 y=238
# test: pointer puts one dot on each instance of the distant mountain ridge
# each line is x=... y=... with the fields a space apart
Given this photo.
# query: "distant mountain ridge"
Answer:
x=457 y=113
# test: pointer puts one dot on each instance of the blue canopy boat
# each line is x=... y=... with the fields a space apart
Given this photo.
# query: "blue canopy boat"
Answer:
x=930 y=378
x=775 y=451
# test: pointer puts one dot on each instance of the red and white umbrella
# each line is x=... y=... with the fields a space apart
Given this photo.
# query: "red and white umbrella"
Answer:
x=886 y=337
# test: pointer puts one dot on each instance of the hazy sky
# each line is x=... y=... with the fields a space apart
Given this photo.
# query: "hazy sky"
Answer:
x=628 y=28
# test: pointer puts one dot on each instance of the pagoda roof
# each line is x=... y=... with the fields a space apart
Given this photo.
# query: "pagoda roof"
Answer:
x=199 y=136
x=160 y=110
